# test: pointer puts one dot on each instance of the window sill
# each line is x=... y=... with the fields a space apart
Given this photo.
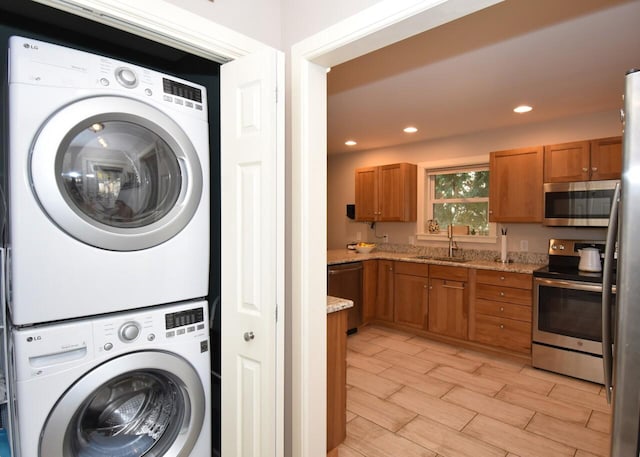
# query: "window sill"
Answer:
x=491 y=239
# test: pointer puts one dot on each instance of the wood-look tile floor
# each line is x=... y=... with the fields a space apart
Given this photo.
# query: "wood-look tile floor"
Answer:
x=411 y=397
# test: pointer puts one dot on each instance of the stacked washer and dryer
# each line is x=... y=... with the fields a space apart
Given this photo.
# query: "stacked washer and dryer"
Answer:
x=108 y=263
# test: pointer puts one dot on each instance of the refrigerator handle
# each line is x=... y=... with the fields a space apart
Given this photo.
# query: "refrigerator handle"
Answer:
x=607 y=343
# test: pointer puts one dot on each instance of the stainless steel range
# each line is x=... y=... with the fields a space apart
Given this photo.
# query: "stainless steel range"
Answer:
x=567 y=314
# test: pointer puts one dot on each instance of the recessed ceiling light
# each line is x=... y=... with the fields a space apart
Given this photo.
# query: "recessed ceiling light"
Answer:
x=410 y=130
x=522 y=109
x=350 y=143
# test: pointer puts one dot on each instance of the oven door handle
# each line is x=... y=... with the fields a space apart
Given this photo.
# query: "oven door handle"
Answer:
x=573 y=285
x=607 y=342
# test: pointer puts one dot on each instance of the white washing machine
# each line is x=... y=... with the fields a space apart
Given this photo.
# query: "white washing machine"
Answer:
x=130 y=384
x=108 y=185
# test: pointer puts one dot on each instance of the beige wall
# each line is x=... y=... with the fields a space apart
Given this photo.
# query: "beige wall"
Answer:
x=340 y=178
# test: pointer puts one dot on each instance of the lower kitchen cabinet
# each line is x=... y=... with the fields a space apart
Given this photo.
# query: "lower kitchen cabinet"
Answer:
x=336 y=378
x=448 y=301
x=482 y=309
x=369 y=289
x=411 y=294
x=384 y=299
x=502 y=310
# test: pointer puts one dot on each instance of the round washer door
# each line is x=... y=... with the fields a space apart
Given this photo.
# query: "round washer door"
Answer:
x=141 y=404
x=116 y=173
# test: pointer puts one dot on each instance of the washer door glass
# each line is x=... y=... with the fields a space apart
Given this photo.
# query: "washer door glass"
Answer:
x=127 y=417
x=148 y=403
x=120 y=174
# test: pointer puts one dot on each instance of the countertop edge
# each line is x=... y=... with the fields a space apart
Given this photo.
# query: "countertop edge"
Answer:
x=335 y=304
x=340 y=256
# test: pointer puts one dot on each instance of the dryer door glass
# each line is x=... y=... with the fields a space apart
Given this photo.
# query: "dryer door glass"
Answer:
x=127 y=417
x=120 y=174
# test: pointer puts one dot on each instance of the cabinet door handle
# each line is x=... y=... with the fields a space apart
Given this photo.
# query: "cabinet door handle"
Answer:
x=501 y=326
x=453 y=287
x=594 y=169
x=502 y=294
x=585 y=169
x=502 y=309
x=501 y=278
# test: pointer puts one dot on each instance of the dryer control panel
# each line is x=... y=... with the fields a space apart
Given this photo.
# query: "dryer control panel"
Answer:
x=40 y=63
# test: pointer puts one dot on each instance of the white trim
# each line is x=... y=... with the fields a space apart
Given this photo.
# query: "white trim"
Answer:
x=380 y=25
x=165 y=23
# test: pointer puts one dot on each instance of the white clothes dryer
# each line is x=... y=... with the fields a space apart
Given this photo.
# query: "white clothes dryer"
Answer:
x=126 y=385
x=108 y=185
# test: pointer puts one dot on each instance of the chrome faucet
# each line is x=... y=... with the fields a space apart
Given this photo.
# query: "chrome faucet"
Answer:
x=453 y=246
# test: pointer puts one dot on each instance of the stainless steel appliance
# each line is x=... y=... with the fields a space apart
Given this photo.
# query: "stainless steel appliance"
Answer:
x=578 y=204
x=345 y=281
x=622 y=371
x=567 y=313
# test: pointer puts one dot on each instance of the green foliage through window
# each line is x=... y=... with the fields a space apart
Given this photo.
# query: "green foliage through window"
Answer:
x=460 y=197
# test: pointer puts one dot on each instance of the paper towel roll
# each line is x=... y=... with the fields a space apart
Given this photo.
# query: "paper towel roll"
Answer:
x=503 y=248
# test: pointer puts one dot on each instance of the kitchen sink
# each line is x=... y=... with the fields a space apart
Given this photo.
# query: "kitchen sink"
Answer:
x=442 y=259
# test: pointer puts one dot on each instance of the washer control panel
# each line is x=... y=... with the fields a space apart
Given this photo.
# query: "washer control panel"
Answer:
x=150 y=328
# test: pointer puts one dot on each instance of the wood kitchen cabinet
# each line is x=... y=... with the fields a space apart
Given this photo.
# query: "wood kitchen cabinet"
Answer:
x=336 y=378
x=502 y=310
x=386 y=193
x=590 y=160
x=411 y=294
x=369 y=289
x=448 y=301
x=384 y=296
x=515 y=185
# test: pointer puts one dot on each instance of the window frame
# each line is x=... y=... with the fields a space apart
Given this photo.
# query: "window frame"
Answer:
x=426 y=198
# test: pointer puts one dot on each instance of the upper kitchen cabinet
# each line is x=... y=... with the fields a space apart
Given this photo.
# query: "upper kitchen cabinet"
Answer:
x=515 y=185
x=386 y=193
x=590 y=160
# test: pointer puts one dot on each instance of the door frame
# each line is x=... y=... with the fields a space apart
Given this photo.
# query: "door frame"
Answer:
x=380 y=25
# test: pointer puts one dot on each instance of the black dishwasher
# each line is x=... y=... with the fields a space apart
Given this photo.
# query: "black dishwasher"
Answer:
x=345 y=281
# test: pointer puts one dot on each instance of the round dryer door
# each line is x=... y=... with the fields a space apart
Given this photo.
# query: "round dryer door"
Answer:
x=142 y=404
x=116 y=173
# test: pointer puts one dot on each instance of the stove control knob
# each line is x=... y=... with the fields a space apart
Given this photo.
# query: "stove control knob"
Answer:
x=129 y=331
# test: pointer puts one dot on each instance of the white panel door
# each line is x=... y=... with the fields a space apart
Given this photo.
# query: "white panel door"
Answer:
x=252 y=252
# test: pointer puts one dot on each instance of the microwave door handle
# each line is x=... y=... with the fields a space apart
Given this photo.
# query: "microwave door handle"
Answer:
x=607 y=353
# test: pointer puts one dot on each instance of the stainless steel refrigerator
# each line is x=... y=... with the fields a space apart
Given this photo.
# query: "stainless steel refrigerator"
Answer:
x=621 y=329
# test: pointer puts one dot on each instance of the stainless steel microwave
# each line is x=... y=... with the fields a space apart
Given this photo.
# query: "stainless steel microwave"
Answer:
x=578 y=204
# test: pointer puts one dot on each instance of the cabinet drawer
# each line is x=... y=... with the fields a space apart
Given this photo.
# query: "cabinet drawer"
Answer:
x=504 y=310
x=412 y=268
x=502 y=278
x=503 y=294
x=452 y=273
x=506 y=333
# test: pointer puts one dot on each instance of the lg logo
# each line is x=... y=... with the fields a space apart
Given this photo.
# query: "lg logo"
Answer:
x=34 y=338
x=30 y=46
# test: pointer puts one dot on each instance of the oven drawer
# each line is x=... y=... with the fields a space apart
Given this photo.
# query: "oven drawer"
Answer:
x=504 y=310
x=507 y=333
x=503 y=294
x=503 y=278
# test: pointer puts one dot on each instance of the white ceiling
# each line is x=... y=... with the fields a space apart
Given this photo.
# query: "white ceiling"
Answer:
x=563 y=57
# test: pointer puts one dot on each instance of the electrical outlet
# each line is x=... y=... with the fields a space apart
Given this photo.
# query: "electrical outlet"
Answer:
x=358 y=236
x=385 y=238
x=524 y=245
x=412 y=240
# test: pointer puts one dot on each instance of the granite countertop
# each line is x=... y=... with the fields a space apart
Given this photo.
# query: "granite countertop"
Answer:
x=335 y=304
x=338 y=256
